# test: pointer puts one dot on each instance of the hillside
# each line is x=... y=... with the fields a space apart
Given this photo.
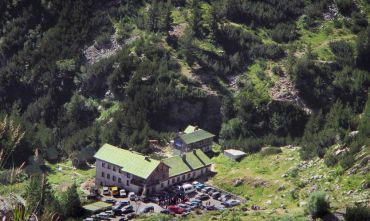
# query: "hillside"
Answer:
x=75 y=74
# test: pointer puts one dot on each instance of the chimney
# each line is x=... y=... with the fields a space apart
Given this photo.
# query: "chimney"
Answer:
x=194 y=151
x=183 y=156
x=147 y=158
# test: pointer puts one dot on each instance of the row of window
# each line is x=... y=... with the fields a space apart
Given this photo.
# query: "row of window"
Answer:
x=182 y=178
x=114 y=168
x=114 y=178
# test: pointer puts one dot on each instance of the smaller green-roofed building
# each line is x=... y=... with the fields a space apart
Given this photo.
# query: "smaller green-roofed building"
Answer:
x=190 y=129
x=194 y=138
x=187 y=163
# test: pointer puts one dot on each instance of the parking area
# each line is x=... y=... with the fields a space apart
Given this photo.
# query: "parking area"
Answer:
x=179 y=200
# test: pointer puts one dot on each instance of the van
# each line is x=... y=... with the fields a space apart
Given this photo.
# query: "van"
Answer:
x=188 y=188
x=115 y=191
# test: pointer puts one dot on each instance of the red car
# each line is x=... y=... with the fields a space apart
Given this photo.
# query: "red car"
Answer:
x=176 y=209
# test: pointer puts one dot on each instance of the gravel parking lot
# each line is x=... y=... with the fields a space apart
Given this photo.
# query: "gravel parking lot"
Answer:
x=173 y=196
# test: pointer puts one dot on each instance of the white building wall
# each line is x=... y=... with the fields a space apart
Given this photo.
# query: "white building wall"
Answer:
x=114 y=174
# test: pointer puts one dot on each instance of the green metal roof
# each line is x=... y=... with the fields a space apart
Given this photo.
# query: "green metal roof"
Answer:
x=97 y=206
x=190 y=129
x=130 y=161
x=191 y=161
x=196 y=136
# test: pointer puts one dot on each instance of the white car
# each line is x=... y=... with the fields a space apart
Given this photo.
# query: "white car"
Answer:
x=122 y=193
x=106 y=190
x=132 y=196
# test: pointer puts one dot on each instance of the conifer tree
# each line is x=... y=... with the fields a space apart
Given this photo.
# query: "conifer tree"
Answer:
x=71 y=202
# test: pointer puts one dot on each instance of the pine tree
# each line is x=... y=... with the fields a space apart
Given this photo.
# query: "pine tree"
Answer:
x=39 y=194
x=166 y=19
x=153 y=16
x=71 y=202
x=196 y=21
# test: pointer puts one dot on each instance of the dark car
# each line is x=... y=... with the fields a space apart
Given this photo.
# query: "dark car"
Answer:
x=123 y=219
x=127 y=209
x=109 y=200
x=166 y=211
x=131 y=215
x=147 y=209
x=202 y=197
x=216 y=195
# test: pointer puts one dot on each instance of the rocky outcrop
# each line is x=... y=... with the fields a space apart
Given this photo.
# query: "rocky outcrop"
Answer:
x=284 y=90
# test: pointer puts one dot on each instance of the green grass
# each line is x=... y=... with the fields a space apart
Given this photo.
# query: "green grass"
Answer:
x=60 y=180
x=264 y=175
x=320 y=38
x=105 y=114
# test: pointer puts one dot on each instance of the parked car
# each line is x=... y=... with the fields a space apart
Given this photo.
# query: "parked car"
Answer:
x=224 y=197
x=210 y=207
x=103 y=216
x=93 y=193
x=123 y=219
x=110 y=213
x=166 y=211
x=196 y=201
x=184 y=206
x=188 y=188
x=199 y=186
x=122 y=193
x=154 y=199
x=145 y=199
x=132 y=196
x=91 y=219
x=220 y=208
x=176 y=209
x=127 y=209
x=192 y=205
x=230 y=203
x=147 y=209
x=211 y=192
x=206 y=189
x=110 y=200
x=202 y=197
x=131 y=215
x=115 y=191
x=106 y=190
x=216 y=195
x=123 y=202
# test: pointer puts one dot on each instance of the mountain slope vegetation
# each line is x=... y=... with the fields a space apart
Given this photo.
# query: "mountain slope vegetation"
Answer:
x=75 y=74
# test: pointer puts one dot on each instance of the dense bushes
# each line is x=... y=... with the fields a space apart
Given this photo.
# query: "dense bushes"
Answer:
x=318 y=204
x=263 y=13
x=357 y=212
x=284 y=33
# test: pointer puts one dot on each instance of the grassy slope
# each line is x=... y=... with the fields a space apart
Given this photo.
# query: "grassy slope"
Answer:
x=263 y=175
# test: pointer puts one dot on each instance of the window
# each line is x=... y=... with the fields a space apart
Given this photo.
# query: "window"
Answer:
x=188 y=175
x=103 y=164
x=119 y=180
x=114 y=168
x=120 y=171
x=168 y=182
x=114 y=178
x=128 y=175
x=173 y=180
x=108 y=166
x=128 y=183
x=162 y=185
x=183 y=177
x=102 y=174
x=108 y=176
x=178 y=179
